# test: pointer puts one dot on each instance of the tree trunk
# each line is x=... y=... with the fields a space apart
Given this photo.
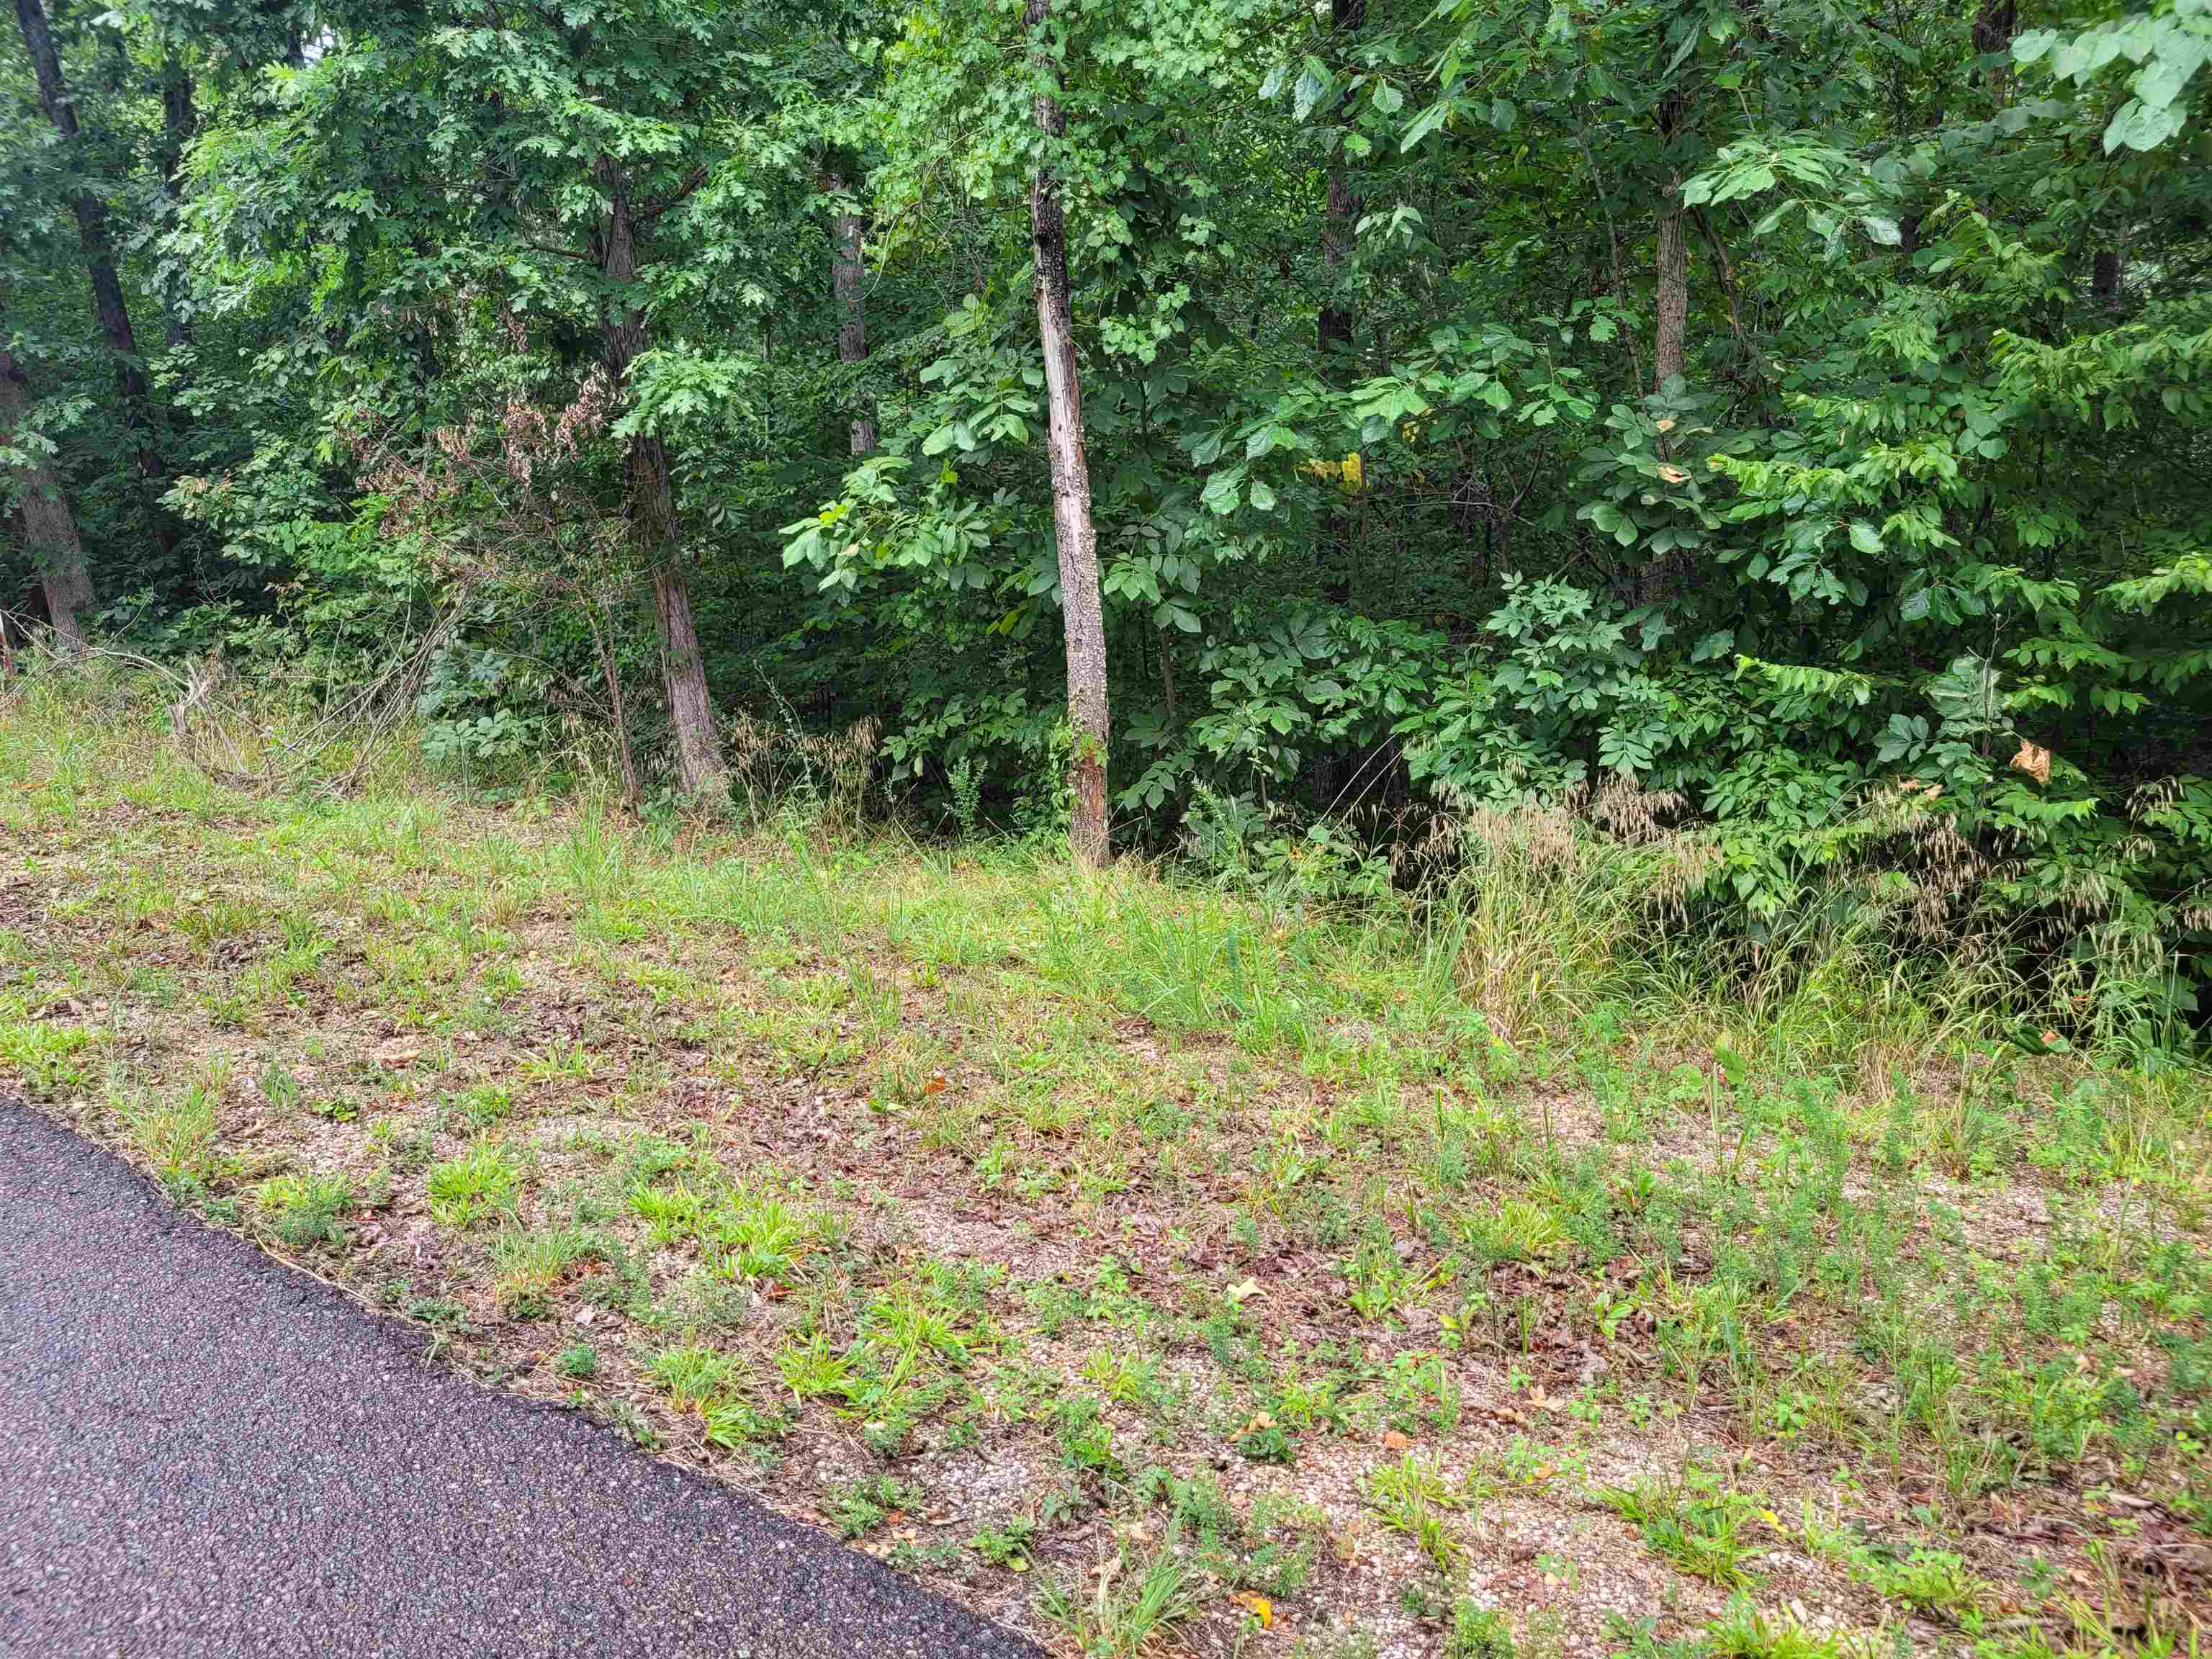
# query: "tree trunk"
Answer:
x=99 y=251
x=1334 y=332
x=1082 y=614
x=1670 y=323
x=179 y=122
x=2105 y=278
x=1667 y=575
x=1334 y=326
x=846 y=275
x=700 y=770
x=49 y=531
x=1993 y=28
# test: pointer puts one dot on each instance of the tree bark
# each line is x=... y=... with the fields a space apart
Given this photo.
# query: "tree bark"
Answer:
x=1993 y=29
x=1335 y=329
x=98 y=251
x=847 y=275
x=1335 y=324
x=700 y=770
x=179 y=122
x=49 y=531
x=1670 y=323
x=2105 y=277
x=1082 y=613
x=1668 y=576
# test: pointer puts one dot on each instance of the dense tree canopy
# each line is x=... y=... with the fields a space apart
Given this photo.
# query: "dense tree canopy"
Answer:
x=1795 y=413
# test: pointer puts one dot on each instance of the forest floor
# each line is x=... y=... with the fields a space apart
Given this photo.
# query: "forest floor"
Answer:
x=1148 y=1269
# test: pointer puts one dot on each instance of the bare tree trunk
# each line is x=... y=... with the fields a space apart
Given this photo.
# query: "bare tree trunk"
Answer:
x=1082 y=613
x=701 y=770
x=1666 y=576
x=49 y=531
x=99 y=251
x=1670 y=324
x=847 y=276
x=178 y=121
x=603 y=636
x=2105 y=277
x=1334 y=326
x=1333 y=329
x=1993 y=28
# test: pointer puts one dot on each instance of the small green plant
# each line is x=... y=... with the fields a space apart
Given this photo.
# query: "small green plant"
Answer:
x=705 y=1383
x=966 y=786
x=579 y=1361
x=1478 y=1633
x=280 y=1087
x=483 y=1183
x=815 y=1368
x=1745 y=1632
x=1696 y=1523
x=178 y=1136
x=302 y=1212
x=691 y=1375
x=481 y=1107
x=1139 y=1601
x=1414 y=1498
x=1005 y=1545
x=530 y=1265
x=859 y=1509
x=1086 y=1438
x=561 y=1061
x=1266 y=1441
x=51 y=1060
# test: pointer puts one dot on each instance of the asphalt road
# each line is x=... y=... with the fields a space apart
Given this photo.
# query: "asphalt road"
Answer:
x=202 y=1452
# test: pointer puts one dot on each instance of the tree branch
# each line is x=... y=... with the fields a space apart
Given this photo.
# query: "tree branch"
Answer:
x=652 y=210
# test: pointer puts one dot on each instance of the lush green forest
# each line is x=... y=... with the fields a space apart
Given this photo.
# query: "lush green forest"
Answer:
x=1274 y=432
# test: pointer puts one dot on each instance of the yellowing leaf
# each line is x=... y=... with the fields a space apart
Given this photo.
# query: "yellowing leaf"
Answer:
x=1245 y=1292
x=1261 y=1607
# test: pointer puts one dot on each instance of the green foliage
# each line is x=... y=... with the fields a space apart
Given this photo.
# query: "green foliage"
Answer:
x=1890 y=593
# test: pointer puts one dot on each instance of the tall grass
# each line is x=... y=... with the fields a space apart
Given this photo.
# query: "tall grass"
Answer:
x=1550 y=923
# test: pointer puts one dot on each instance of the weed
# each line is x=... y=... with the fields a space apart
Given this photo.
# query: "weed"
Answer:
x=1139 y=1601
x=860 y=1507
x=1745 y=1632
x=483 y=1183
x=52 y=1060
x=302 y=1212
x=1478 y=1633
x=481 y=1107
x=1412 y=1497
x=1696 y=1523
x=562 y=1060
x=1006 y=1546
x=531 y=1263
x=178 y=1136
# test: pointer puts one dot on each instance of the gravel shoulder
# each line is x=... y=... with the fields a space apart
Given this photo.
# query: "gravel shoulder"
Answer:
x=202 y=1452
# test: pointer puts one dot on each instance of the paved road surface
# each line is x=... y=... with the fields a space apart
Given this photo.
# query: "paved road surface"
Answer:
x=203 y=1453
